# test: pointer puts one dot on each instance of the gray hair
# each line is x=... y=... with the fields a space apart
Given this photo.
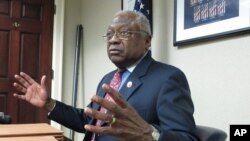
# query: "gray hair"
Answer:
x=141 y=19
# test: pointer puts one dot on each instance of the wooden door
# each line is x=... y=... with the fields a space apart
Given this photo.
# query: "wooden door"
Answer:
x=26 y=32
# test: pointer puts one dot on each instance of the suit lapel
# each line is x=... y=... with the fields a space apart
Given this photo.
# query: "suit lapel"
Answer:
x=129 y=87
x=133 y=82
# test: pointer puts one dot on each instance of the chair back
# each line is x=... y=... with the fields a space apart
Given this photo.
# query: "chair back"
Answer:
x=206 y=133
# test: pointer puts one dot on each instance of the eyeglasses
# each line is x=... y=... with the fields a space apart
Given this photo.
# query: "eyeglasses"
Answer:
x=124 y=35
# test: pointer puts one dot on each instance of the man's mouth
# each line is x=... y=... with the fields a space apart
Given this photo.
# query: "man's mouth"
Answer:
x=114 y=51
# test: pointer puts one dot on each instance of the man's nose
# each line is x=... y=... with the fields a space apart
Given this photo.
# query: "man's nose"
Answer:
x=114 y=38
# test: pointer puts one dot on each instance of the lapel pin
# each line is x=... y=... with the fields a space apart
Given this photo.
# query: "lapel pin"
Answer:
x=129 y=84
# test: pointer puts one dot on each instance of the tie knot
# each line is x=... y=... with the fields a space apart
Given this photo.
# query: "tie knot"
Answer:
x=117 y=75
x=120 y=72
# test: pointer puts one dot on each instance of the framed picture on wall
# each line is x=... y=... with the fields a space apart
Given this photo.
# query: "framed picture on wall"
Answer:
x=144 y=6
x=199 y=20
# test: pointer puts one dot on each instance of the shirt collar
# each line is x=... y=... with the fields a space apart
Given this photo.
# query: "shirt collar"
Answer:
x=132 y=67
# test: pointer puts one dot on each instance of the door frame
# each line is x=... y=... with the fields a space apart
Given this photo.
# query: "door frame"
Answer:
x=57 y=55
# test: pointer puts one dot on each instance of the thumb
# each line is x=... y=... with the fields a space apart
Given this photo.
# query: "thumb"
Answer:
x=43 y=81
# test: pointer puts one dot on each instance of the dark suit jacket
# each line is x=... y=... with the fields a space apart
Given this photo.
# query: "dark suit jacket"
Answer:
x=159 y=93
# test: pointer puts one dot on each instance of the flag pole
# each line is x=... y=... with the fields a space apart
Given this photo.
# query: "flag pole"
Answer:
x=76 y=70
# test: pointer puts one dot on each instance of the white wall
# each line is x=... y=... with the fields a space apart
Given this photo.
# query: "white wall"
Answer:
x=95 y=16
x=218 y=71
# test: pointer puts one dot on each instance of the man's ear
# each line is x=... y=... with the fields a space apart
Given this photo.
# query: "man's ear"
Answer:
x=148 y=42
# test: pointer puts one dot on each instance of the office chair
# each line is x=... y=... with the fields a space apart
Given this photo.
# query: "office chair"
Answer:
x=206 y=133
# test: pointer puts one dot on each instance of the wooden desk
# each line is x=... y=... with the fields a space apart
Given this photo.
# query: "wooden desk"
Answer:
x=30 y=130
x=35 y=138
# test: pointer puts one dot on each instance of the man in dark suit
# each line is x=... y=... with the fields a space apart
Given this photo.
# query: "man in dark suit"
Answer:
x=153 y=102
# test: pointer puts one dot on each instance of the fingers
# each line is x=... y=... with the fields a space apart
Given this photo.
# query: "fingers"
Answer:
x=24 y=82
x=21 y=80
x=115 y=96
x=112 y=107
x=27 y=78
x=116 y=106
x=24 y=79
x=20 y=87
x=99 y=130
x=99 y=115
x=109 y=119
x=22 y=97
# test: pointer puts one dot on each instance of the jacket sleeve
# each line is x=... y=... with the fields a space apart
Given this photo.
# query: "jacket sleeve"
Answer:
x=175 y=110
x=69 y=116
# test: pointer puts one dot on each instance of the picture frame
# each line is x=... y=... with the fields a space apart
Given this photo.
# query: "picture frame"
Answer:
x=146 y=8
x=127 y=4
x=202 y=20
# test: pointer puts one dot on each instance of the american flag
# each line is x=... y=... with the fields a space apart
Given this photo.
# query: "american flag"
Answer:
x=144 y=6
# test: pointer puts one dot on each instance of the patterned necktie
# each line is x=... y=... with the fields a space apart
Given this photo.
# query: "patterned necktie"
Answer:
x=115 y=84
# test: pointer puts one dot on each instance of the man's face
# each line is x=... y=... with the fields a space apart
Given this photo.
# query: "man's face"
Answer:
x=124 y=52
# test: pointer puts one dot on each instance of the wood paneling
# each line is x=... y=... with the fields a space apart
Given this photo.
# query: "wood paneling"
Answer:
x=26 y=34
